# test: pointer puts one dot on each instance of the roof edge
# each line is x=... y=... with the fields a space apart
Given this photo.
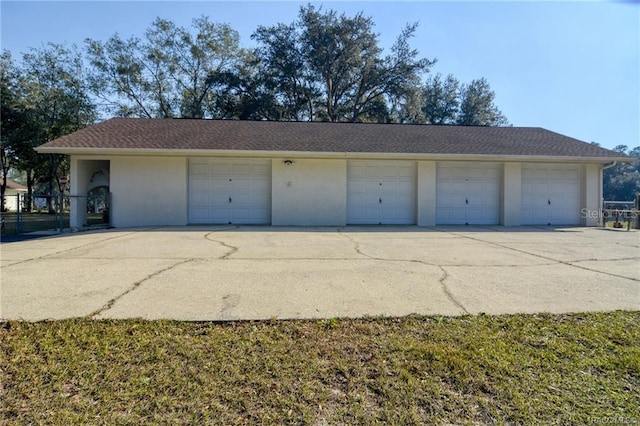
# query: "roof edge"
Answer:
x=321 y=154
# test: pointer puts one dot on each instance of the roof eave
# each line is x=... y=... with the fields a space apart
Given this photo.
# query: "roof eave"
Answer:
x=321 y=154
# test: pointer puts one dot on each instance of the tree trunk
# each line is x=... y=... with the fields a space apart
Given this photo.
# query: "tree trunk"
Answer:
x=50 y=199
x=3 y=189
x=28 y=202
x=5 y=172
x=52 y=176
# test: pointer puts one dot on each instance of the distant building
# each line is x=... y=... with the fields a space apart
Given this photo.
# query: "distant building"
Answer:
x=12 y=193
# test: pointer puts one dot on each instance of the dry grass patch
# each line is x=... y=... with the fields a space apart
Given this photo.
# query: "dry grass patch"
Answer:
x=520 y=369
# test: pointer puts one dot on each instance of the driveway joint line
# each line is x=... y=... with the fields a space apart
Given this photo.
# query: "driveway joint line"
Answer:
x=368 y=258
x=135 y=285
x=556 y=261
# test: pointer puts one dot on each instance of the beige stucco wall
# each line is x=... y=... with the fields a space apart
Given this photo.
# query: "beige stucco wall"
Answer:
x=591 y=194
x=426 y=193
x=511 y=194
x=148 y=191
x=151 y=191
x=309 y=192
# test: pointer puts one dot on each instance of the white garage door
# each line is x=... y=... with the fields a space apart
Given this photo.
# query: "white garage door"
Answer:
x=551 y=194
x=381 y=192
x=227 y=191
x=468 y=193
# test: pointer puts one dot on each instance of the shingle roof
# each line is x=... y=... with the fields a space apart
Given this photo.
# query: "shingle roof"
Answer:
x=13 y=185
x=321 y=137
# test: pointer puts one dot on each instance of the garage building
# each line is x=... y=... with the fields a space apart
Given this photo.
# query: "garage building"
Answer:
x=183 y=171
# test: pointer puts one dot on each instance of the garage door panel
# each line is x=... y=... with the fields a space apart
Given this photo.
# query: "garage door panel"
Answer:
x=459 y=172
x=200 y=185
x=219 y=169
x=527 y=203
x=373 y=171
x=446 y=174
x=357 y=199
x=240 y=170
x=217 y=199
x=476 y=200
x=230 y=191
x=355 y=171
x=400 y=199
x=540 y=188
x=403 y=173
x=451 y=216
x=482 y=173
x=240 y=214
x=458 y=187
x=474 y=214
x=553 y=173
x=199 y=213
x=371 y=216
x=218 y=215
x=533 y=173
x=354 y=187
x=551 y=194
x=261 y=188
x=371 y=200
x=199 y=169
x=217 y=184
x=444 y=187
x=240 y=200
x=391 y=215
x=381 y=192
x=467 y=193
x=477 y=216
x=457 y=201
x=387 y=171
x=200 y=199
x=556 y=190
x=488 y=189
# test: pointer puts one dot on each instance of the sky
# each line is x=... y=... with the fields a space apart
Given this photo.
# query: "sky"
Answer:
x=572 y=67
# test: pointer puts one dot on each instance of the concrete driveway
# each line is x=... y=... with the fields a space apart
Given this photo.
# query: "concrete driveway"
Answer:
x=228 y=273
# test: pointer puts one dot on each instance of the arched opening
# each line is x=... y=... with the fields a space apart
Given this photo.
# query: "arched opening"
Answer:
x=89 y=193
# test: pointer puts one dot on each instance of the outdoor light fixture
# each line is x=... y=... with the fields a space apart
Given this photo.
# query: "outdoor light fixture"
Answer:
x=287 y=162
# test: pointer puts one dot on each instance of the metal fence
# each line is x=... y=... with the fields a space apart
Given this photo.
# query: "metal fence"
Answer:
x=621 y=214
x=45 y=213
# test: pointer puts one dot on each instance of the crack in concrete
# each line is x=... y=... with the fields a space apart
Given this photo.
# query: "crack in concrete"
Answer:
x=68 y=250
x=442 y=279
x=233 y=249
x=135 y=285
x=356 y=245
x=605 y=260
x=555 y=261
x=447 y=292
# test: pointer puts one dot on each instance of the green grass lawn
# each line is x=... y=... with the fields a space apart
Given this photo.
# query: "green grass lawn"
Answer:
x=520 y=369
